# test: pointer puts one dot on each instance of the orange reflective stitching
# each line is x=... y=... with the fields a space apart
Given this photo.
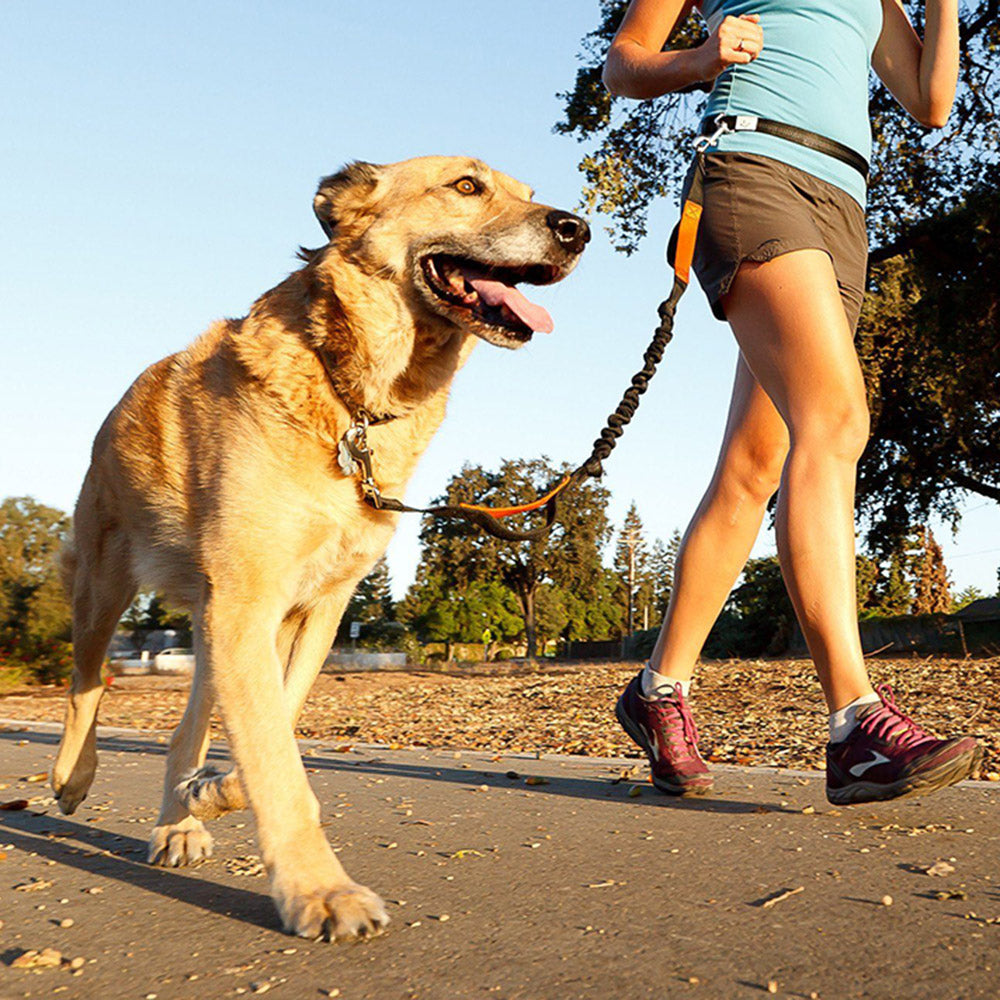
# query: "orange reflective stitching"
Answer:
x=523 y=508
x=686 y=234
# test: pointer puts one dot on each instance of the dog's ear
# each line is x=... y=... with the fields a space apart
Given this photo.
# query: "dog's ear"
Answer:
x=343 y=192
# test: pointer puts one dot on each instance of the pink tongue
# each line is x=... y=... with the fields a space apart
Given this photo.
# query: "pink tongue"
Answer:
x=496 y=293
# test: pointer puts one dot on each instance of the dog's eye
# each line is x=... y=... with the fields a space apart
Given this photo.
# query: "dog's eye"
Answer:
x=466 y=185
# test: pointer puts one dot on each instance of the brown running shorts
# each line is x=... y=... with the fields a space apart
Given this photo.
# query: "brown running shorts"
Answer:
x=757 y=208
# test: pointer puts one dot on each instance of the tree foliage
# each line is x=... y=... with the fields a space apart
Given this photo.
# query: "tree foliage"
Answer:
x=930 y=346
x=151 y=612
x=456 y=556
x=371 y=605
x=638 y=151
x=33 y=607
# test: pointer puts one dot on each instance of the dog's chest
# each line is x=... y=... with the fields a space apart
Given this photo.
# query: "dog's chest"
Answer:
x=344 y=550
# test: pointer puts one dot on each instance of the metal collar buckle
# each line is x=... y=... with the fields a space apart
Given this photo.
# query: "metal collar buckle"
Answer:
x=354 y=455
x=702 y=142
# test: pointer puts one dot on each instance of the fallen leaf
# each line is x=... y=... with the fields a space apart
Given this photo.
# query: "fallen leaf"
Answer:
x=939 y=868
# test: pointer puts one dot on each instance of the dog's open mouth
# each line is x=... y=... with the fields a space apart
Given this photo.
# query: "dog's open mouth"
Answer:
x=489 y=293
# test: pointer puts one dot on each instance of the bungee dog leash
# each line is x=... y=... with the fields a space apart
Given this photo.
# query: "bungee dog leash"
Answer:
x=356 y=456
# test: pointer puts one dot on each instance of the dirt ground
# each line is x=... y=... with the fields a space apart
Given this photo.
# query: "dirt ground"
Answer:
x=764 y=712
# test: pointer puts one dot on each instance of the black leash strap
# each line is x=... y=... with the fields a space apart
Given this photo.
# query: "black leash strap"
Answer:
x=714 y=127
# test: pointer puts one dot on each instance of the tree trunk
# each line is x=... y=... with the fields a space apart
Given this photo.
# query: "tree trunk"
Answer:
x=528 y=604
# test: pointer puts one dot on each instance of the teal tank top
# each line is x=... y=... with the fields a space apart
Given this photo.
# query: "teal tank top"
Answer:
x=812 y=72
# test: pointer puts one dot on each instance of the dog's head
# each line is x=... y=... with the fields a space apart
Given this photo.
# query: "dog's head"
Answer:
x=456 y=237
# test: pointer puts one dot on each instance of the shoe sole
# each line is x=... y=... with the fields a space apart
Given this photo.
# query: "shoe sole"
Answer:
x=949 y=773
x=638 y=737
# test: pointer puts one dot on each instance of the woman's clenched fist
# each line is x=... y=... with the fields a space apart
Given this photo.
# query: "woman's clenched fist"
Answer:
x=736 y=40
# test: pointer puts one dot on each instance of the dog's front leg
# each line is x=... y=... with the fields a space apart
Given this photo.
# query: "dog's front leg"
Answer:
x=313 y=893
x=303 y=642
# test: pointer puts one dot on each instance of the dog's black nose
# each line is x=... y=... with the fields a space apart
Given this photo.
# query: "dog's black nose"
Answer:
x=571 y=231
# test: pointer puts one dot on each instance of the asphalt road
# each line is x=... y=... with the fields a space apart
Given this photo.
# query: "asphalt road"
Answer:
x=573 y=886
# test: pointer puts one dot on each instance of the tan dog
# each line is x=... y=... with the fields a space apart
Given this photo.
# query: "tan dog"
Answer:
x=215 y=480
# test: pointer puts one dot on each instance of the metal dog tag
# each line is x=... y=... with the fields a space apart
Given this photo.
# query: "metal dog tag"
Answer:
x=345 y=460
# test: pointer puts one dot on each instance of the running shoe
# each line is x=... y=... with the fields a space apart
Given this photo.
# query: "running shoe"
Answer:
x=664 y=728
x=887 y=755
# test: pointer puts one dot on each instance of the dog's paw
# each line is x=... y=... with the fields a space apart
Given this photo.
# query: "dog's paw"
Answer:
x=70 y=785
x=349 y=912
x=208 y=793
x=183 y=843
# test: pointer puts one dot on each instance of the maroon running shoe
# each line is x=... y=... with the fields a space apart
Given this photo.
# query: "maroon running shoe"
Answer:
x=664 y=728
x=887 y=755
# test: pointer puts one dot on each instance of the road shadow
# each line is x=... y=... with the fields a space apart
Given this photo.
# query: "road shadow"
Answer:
x=99 y=853
x=597 y=789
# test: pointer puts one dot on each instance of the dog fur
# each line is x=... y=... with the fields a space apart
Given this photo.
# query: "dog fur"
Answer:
x=215 y=481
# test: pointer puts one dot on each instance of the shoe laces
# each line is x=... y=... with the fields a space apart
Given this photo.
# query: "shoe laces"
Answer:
x=677 y=722
x=890 y=724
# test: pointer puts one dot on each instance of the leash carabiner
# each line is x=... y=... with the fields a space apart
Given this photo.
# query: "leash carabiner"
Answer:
x=702 y=142
x=354 y=454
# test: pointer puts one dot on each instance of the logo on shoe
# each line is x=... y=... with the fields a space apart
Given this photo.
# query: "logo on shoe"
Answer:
x=877 y=758
x=650 y=738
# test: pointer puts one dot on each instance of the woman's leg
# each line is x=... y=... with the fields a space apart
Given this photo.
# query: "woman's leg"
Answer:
x=794 y=337
x=790 y=324
x=726 y=524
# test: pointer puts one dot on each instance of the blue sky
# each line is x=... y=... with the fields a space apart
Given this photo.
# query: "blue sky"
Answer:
x=159 y=162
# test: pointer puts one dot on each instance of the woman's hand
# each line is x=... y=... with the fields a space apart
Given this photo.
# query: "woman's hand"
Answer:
x=735 y=41
x=637 y=67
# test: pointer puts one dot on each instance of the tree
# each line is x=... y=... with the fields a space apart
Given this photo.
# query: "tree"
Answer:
x=33 y=607
x=931 y=587
x=633 y=569
x=438 y=612
x=930 y=348
x=663 y=562
x=866 y=577
x=965 y=597
x=766 y=615
x=371 y=605
x=456 y=554
x=638 y=151
x=151 y=612
x=894 y=594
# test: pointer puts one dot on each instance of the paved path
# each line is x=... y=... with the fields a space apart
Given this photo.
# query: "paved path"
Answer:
x=575 y=887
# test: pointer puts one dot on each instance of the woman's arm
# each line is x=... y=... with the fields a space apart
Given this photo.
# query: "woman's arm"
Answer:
x=921 y=75
x=635 y=66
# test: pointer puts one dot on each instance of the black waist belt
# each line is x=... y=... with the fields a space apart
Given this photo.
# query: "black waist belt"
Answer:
x=713 y=127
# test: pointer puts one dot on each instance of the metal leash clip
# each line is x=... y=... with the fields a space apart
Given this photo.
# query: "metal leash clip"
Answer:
x=702 y=142
x=354 y=456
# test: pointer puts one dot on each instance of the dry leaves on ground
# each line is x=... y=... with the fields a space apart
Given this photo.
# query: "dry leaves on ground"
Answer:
x=756 y=712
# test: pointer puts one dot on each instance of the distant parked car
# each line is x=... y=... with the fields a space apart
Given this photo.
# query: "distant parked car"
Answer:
x=174 y=661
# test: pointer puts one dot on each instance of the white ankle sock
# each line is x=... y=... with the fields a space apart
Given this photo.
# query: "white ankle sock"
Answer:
x=656 y=685
x=842 y=721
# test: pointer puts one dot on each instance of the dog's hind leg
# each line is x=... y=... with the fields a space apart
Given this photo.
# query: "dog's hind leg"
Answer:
x=178 y=837
x=303 y=642
x=99 y=580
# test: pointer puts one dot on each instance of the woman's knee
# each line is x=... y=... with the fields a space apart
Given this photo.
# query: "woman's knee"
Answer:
x=840 y=429
x=753 y=471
